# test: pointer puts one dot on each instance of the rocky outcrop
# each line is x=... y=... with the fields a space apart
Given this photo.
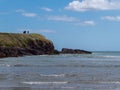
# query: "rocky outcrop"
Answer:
x=20 y=45
x=39 y=47
x=17 y=51
x=74 y=51
x=14 y=45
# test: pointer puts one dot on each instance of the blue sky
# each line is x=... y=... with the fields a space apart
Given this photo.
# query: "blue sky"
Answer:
x=82 y=24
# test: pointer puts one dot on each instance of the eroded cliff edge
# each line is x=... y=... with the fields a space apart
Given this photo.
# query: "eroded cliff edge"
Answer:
x=13 y=45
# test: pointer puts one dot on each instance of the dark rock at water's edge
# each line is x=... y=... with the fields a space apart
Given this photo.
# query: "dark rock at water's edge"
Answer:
x=17 y=51
x=74 y=51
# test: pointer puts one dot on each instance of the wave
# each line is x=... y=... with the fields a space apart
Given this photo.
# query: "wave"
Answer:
x=19 y=65
x=5 y=65
x=36 y=83
x=62 y=65
x=53 y=75
x=113 y=82
x=67 y=87
x=112 y=56
x=103 y=56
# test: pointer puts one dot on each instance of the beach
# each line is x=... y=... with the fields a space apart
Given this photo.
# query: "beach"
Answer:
x=97 y=71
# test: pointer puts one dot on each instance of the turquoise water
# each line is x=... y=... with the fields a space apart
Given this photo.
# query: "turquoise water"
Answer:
x=97 y=71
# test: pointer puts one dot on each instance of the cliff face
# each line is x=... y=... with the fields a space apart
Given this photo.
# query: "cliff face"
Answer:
x=12 y=45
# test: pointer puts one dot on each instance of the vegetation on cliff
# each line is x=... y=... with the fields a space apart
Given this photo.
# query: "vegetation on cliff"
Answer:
x=20 y=40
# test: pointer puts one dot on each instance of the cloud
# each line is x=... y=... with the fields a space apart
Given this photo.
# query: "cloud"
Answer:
x=46 y=9
x=111 y=18
x=62 y=18
x=91 y=23
x=35 y=31
x=29 y=14
x=75 y=21
x=47 y=31
x=26 y=14
x=86 y=23
x=20 y=10
x=86 y=5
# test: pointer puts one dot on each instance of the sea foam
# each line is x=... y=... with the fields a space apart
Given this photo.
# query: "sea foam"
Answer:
x=33 y=83
x=53 y=75
x=113 y=82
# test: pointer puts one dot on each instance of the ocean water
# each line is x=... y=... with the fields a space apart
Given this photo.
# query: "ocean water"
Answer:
x=97 y=71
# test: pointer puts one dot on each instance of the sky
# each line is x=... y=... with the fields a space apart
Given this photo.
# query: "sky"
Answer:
x=78 y=24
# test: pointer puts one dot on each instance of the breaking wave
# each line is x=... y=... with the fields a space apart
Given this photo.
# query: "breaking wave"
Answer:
x=36 y=83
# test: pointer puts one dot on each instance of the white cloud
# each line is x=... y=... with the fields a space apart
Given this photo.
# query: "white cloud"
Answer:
x=20 y=11
x=26 y=14
x=29 y=14
x=63 y=18
x=86 y=5
x=86 y=23
x=75 y=21
x=91 y=23
x=35 y=31
x=47 y=31
x=23 y=29
x=47 y=9
x=111 y=18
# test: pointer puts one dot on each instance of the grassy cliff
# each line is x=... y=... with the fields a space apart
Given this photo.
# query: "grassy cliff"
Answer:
x=12 y=45
x=20 y=40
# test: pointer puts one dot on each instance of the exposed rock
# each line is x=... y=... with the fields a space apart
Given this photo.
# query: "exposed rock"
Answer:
x=17 y=51
x=56 y=52
x=74 y=51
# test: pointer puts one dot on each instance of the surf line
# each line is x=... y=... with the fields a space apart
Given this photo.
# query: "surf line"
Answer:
x=31 y=83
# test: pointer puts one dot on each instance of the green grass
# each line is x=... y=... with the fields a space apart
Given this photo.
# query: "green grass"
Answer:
x=19 y=40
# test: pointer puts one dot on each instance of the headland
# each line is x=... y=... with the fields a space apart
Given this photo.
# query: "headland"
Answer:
x=15 y=44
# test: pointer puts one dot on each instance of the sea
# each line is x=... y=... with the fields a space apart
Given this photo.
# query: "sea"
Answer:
x=97 y=71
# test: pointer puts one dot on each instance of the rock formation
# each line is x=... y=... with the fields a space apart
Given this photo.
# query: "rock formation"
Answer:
x=13 y=45
x=74 y=51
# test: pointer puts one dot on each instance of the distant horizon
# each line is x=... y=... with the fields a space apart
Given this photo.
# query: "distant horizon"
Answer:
x=81 y=24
